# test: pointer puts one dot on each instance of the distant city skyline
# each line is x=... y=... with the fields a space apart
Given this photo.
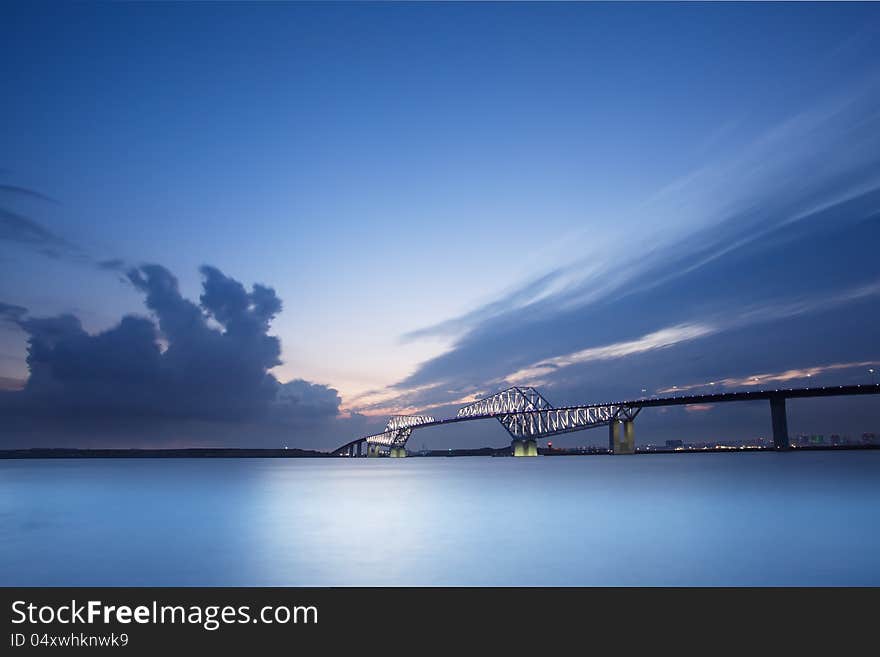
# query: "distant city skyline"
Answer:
x=278 y=223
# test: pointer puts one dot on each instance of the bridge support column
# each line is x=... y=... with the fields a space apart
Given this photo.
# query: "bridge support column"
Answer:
x=613 y=435
x=525 y=447
x=398 y=452
x=628 y=444
x=779 y=420
x=360 y=451
x=625 y=444
x=372 y=451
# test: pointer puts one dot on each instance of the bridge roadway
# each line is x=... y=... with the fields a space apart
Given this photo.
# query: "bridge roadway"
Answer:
x=518 y=421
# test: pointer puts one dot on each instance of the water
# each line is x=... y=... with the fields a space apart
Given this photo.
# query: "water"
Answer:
x=702 y=519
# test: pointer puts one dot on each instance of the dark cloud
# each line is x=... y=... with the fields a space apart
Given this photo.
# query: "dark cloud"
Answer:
x=10 y=383
x=203 y=363
x=753 y=294
x=11 y=313
x=113 y=264
x=782 y=301
x=20 y=229
x=299 y=399
x=522 y=296
x=816 y=171
x=24 y=192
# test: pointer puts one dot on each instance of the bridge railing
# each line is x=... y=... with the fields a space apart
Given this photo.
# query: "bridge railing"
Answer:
x=511 y=400
x=548 y=422
x=403 y=421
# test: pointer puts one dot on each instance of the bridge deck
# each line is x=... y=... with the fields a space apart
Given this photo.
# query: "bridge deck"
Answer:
x=675 y=400
x=746 y=395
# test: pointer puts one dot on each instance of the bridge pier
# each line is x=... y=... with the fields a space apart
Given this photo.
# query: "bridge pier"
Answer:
x=779 y=420
x=628 y=445
x=398 y=452
x=625 y=444
x=372 y=451
x=525 y=447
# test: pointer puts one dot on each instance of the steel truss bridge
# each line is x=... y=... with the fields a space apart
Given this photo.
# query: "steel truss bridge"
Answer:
x=528 y=416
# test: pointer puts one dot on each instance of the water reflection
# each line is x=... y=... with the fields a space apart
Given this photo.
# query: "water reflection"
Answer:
x=704 y=519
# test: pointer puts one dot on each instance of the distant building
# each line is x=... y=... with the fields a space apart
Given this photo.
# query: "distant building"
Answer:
x=672 y=444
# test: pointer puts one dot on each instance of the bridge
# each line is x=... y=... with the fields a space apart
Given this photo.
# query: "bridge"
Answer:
x=528 y=416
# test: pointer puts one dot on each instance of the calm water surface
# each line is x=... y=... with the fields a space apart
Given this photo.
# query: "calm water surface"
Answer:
x=703 y=519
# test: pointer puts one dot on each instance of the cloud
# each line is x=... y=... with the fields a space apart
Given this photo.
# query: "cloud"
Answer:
x=300 y=400
x=11 y=313
x=667 y=337
x=523 y=296
x=113 y=264
x=205 y=362
x=656 y=340
x=24 y=192
x=19 y=229
x=9 y=383
x=777 y=230
x=808 y=162
x=801 y=375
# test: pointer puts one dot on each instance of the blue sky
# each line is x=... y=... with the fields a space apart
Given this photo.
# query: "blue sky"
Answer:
x=448 y=198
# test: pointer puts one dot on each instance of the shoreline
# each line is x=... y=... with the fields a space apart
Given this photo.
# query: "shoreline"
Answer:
x=233 y=452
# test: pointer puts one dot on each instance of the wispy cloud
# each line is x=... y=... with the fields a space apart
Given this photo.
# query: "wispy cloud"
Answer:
x=114 y=264
x=523 y=295
x=808 y=162
x=783 y=309
x=546 y=371
x=685 y=332
x=665 y=337
x=24 y=192
x=18 y=228
x=802 y=374
x=22 y=230
x=391 y=400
